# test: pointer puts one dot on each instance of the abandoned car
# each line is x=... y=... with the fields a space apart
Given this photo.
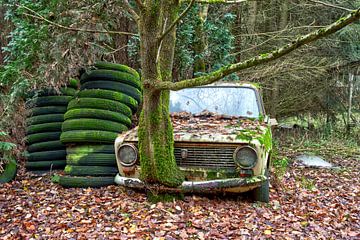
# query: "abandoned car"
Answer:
x=222 y=141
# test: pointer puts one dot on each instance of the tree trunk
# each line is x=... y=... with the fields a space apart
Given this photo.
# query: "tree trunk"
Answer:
x=155 y=132
x=200 y=44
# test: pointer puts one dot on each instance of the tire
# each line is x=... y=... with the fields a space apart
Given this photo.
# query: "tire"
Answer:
x=261 y=194
x=117 y=67
x=111 y=95
x=46 y=165
x=42 y=137
x=47 y=118
x=93 y=124
x=115 y=86
x=81 y=113
x=85 y=182
x=44 y=127
x=111 y=75
x=100 y=104
x=48 y=110
x=46 y=155
x=9 y=172
x=50 y=101
x=90 y=149
x=91 y=159
x=46 y=146
x=90 y=170
x=88 y=136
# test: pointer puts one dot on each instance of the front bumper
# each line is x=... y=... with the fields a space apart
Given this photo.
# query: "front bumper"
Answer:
x=234 y=185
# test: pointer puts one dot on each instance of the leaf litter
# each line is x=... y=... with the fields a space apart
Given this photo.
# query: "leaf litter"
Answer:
x=311 y=204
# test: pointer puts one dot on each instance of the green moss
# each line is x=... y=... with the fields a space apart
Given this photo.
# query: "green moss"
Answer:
x=266 y=139
x=163 y=197
x=246 y=135
x=156 y=145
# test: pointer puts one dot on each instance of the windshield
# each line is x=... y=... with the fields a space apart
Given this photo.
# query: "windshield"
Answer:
x=234 y=101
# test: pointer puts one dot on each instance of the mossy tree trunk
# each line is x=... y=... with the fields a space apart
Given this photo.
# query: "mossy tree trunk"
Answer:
x=157 y=20
x=155 y=130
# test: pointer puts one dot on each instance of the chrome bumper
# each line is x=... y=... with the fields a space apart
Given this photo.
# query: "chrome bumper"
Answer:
x=219 y=185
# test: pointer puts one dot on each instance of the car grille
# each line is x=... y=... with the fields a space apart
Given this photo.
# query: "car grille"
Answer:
x=206 y=157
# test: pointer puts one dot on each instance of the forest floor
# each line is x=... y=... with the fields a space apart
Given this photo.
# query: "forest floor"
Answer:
x=307 y=204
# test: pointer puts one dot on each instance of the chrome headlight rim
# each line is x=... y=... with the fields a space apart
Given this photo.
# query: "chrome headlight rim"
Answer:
x=239 y=148
x=133 y=147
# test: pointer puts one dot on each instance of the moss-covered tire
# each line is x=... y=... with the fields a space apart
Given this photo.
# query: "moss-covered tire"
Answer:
x=81 y=113
x=100 y=104
x=47 y=118
x=84 y=182
x=111 y=95
x=42 y=137
x=117 y=67
x=48 y=110
x=111 y=75
x=115 y=86
x=45 y=146
x=261 y=194
x=93 y=124
x=67 y=91
x=46 y=155
x=9 y=172
x=89 y=149
x=88 y=136
x=90 y=170
x=91 y=159
x=45 y=165
x=50 y=101
x=44 y=127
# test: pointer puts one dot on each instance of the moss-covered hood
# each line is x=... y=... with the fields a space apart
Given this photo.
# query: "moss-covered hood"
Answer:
x=215 y=129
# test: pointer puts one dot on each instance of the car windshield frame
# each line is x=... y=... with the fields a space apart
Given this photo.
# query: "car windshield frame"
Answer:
x=258 y=98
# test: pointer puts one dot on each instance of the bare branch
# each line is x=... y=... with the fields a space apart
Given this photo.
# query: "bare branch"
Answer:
x=263 y=58
x=140 y=4
x=331 y=5
x=134 y=15
x=176 y=21
x=40 y=17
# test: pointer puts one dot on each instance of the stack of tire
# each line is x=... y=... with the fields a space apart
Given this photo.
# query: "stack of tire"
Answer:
x=109 y=95
x=46 y=114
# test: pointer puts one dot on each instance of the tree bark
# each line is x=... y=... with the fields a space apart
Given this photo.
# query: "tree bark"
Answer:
x=155 y=132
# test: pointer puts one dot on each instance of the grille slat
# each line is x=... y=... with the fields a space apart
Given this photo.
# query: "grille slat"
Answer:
x=206 y=157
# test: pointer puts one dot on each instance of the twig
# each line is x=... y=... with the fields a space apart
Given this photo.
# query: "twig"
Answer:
x=131 y=10
x=176 y=20
x=140 y=4
x=331 y=5
x=40 y=17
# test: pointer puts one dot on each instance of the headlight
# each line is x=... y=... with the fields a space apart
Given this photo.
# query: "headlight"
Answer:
x=127 y=155
x=245 y=157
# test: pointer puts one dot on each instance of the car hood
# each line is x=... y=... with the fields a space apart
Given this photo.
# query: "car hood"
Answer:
x=211 y=128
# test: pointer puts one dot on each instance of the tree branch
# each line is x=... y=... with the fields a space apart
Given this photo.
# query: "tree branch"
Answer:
x=176 y=20
x=42 y=18
x=263 y=58
x=131 y=10
x=140 y=4
x=331 y=5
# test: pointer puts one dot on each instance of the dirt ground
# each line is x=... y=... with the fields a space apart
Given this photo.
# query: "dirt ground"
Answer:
x=308 y=204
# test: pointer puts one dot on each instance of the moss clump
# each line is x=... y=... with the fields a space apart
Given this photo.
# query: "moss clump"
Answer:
x=266 y=139
x=163 y=197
